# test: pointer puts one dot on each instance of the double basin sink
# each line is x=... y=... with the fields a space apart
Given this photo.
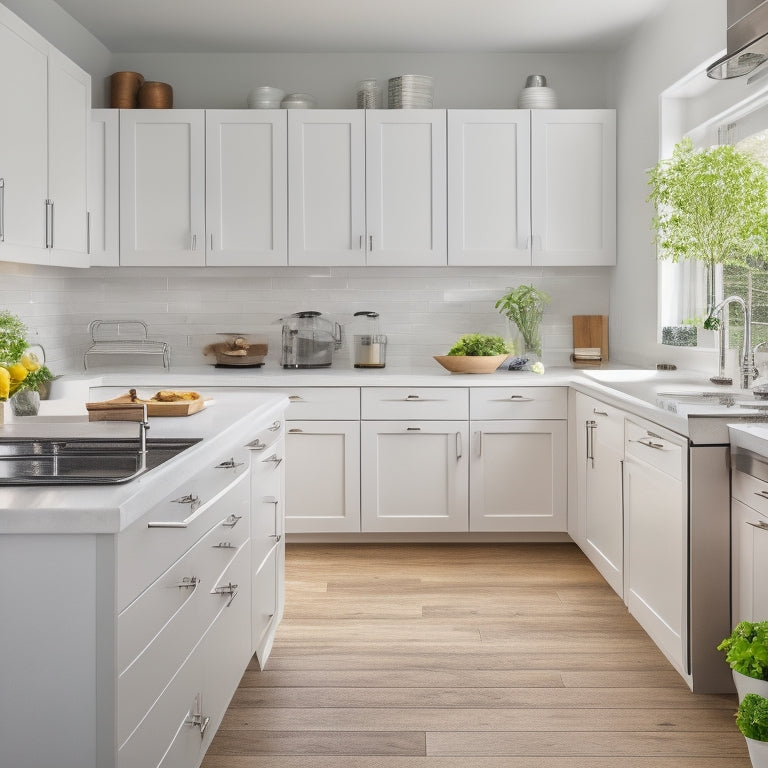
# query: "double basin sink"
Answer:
x=82 y=461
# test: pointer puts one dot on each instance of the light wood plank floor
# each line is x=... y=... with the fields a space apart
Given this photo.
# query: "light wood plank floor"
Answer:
x=465 y=656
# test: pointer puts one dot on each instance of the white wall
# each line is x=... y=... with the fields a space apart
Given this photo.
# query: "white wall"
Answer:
x=70 y=37
x=470 y=80
x=688 y=33
x=423 y=310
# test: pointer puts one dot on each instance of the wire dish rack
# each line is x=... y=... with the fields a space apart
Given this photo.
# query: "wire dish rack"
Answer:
x=124 y=337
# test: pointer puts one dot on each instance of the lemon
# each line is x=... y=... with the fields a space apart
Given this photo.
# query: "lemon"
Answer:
x=30 y=361
x=5 y=384
x=17 y=372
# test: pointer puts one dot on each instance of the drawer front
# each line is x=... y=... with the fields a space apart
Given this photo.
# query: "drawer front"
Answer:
x=518 y=402
x=159 y=629
x=609 y=422
x=401 y=403
x=655 y=449
x=145 y=549
x=750 y=491
x=323 y=403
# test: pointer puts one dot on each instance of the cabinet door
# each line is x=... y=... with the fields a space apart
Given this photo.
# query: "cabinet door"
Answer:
x=326 y=187
x=246 y=187
x=749 y=543
x=406 y=187
x=655 y=565
x=489 y=176
x=573 y=187
x=599 y=445
x=69 y=105
x=322 y=483
x=162 y=180
x=414 y=476
x=104 y=188
x=518 y=476
x=23 y=141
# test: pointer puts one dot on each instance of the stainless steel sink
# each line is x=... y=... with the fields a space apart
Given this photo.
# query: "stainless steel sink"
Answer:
x=82 y=461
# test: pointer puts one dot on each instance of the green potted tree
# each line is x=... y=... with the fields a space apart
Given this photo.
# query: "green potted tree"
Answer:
x=752 y=721
x=524 y=308
x=746 y=652
x=710 y=206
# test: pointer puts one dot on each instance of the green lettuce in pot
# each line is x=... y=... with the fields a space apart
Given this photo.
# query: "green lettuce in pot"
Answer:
x=479 y=345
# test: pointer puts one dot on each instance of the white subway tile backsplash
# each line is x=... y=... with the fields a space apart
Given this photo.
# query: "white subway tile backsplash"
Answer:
x=422 y=309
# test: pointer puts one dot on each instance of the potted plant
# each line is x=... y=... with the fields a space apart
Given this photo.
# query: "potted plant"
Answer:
x=710 y=206
x=746 y=652
x=22 y=375
x=524 y=307
x=475 y=353
x=752 y=721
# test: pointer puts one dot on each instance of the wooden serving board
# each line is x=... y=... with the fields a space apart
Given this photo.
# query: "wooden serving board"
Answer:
x=123 y=408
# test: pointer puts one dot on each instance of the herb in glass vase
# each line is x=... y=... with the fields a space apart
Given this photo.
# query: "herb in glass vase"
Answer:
x=524 y=306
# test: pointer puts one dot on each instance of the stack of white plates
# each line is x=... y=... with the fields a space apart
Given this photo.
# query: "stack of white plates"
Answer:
x=410 y=92
x=298 y=101
x=265 y=97
x=537 y=97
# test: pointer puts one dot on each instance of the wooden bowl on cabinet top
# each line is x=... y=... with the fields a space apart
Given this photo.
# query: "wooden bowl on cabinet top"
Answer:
x=470 y=363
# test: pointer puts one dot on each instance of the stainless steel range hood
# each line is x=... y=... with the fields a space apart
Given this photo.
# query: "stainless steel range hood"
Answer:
x=747 y=40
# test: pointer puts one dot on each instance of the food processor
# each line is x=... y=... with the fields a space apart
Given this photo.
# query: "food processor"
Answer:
x=309 y=340
x=370 y=349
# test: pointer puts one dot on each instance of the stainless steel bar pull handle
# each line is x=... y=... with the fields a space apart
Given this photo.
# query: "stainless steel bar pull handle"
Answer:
x=480 y=443
x=413 y=429
x=194 y=243
x=459 y=446
x=599 y=413
x=295 y=398
x=294 y=431
x=762 y=494
x=370 y=243
x=229 y=464
x=88 y=232
x=761 y=525
x=229 y=589
x=2 y=210
x=188 y=582
x=590 y=425
x=49 y=223
x=256 y=445
x=413 y=397
x=232 y=521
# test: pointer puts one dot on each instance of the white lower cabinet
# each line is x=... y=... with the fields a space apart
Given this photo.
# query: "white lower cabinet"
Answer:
x=414 y=475
x=656 y=536
x=749 y=548
x=598 y=523
x=517 y=476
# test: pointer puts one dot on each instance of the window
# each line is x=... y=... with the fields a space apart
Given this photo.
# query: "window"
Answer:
x=683 y=285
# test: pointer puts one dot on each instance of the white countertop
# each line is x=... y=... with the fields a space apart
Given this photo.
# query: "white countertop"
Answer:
x=232 y=419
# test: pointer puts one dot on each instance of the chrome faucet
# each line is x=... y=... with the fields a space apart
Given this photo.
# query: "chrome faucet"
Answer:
x=747 y=361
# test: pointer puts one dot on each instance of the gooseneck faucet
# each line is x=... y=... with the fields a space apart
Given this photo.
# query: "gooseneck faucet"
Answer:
x=747 y=360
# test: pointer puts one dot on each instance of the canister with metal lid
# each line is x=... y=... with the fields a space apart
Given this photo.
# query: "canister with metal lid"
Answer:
x=370 y=349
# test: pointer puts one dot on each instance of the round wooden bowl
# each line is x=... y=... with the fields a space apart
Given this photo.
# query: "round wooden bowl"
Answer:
x=470 y=364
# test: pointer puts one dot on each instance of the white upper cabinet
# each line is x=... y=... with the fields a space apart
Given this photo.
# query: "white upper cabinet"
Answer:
x=69 y=105
x=43 y=149
x=162 y=187
x=573 y=187
x=326 y=187
x=246 y=188
x=489 y=200
x=367 y=187
x=406 y=187
x=104 y=188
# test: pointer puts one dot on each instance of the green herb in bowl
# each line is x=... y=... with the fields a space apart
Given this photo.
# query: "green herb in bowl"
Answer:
x=479 y=345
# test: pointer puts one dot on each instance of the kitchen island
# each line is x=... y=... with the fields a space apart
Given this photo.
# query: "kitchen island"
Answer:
x=131 y=611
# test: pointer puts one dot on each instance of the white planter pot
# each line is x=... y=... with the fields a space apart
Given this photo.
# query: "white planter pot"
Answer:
x=745 y=685
x=758 y=753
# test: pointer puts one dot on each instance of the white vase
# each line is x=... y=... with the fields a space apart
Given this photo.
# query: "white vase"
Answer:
x=758 y=753
x=745 y=685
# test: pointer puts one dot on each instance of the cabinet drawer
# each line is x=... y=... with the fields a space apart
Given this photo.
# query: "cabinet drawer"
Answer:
x=159 y=629
x=415 y=403
x=323 y=403
x=750 y=491
x=651 y=447
x=518 y=402
x=145 y=549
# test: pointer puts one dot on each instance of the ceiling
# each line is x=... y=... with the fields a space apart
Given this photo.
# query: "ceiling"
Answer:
x=310 y=26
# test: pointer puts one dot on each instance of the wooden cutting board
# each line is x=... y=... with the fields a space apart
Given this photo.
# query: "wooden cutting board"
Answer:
x=591 y=332
x=123 y=408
